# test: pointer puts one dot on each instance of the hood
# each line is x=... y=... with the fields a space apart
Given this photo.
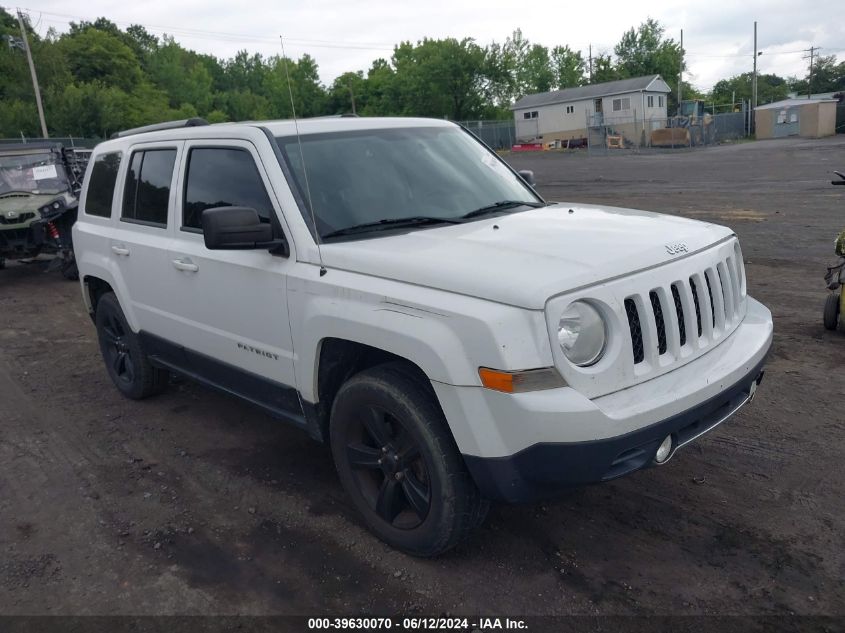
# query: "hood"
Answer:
x=525 y=258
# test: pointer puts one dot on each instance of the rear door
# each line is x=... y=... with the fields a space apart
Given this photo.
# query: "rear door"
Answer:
x=141 y=237
x=232 y=308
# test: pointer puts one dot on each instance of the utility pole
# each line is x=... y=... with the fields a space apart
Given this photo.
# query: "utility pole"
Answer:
x=754 y=82
x=591 y=63
x=34 y=77
x=812 y=51
x=352 y=97
x=681 y=72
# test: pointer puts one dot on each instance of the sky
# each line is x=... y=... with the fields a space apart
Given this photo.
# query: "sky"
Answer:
x=345 y=35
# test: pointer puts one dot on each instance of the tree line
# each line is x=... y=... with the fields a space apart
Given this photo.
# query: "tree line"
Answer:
x=97 y=78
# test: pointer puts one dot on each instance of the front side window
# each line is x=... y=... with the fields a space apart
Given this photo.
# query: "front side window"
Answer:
x=660 y=101
x=651 y=101
x=101 y=185
x=147 y=191
x=222 y=177
x=394 y=174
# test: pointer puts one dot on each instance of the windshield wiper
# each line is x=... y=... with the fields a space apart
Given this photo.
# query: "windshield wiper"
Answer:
x=391 y=223
x=501 y=205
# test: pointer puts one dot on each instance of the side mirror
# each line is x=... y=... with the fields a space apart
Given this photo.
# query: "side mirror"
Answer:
x=527 y=175
x=235 y=228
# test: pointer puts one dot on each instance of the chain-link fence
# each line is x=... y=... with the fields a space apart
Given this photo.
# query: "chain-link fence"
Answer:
x=614 y=134
x=66 y=141
x=497 y=134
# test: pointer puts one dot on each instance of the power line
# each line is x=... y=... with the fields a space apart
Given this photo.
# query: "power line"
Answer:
x=218 y=35
x=770 y=54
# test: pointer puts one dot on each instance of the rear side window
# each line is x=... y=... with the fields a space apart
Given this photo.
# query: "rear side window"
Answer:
x=147 y=191
x=222 y=177
x=101 y=186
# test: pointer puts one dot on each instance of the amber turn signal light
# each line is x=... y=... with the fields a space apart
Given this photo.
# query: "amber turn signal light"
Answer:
x=520 y=381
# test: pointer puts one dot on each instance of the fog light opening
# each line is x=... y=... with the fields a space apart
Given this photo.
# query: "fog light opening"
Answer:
x=664 y=451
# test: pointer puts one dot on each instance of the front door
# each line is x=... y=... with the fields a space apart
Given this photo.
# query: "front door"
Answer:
x=787 y=122
x=233 y=314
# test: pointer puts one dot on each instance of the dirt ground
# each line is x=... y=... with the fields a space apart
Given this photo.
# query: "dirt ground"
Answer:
x=194 y=503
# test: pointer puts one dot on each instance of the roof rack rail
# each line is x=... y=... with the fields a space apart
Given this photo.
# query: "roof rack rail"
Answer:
x=155 y=127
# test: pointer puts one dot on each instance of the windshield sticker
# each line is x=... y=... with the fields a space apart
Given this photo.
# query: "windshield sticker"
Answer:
x=44 y=172
x=492 y=163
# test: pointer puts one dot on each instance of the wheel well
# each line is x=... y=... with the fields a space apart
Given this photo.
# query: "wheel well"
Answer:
x=96 y=288
x=339 y=360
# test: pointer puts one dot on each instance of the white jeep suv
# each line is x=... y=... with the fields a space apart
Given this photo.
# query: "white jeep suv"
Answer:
x=393 y=288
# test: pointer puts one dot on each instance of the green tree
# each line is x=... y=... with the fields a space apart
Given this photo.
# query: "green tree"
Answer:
x=348 y=87
x=828 y=76
x=96 y=55
x=568 y=67
x=182 y=75
x=382 y=90
x=604 y=69
x=644 y=51
x=308 y=94
x=737 y=89
x=439 y=78
x=536 y=74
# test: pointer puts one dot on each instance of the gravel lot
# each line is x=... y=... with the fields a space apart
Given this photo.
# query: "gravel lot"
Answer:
x=194 y=503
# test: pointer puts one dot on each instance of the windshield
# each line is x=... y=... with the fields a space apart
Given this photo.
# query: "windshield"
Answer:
x=387 y=174
x=32 y=173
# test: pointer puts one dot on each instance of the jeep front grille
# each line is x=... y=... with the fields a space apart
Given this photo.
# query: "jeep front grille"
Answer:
x=670 y=318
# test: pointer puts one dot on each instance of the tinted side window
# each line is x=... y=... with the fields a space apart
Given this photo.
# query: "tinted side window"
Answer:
x=147 y=191
x=101 y=186
x=222 y=177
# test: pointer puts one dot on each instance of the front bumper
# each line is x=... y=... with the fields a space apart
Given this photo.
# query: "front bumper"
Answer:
x=545 y=469
x=521 y=447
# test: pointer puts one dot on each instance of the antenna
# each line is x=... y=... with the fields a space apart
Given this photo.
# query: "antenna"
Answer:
x=302 y=157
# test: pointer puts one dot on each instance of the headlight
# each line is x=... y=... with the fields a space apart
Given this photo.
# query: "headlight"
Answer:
x=582 y=334
x=51 y=209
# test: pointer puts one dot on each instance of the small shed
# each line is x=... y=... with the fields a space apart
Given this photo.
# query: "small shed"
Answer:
x=808 y=118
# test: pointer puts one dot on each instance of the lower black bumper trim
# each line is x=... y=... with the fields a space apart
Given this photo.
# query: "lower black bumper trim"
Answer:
x=544 y=470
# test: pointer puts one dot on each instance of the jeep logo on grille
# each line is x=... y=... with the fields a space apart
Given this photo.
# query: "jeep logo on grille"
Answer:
x=677 y=247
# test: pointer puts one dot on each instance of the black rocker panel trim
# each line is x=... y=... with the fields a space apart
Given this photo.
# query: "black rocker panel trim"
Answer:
x=280 y=401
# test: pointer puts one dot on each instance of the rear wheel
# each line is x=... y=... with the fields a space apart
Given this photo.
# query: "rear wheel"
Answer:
x=398 y=462
x=831 y=311
x=127 y=364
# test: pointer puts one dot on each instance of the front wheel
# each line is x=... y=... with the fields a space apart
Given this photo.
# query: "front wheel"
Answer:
x=831 y=311
x=398 y=462
x=127 y=364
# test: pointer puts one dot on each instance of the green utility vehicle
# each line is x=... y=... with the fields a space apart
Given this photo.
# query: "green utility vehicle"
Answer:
x=39 y=194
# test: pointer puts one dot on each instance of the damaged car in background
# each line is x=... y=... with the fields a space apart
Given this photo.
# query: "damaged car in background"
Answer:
x=39 y=189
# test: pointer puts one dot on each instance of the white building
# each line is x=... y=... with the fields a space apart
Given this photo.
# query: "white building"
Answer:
x=566 y=114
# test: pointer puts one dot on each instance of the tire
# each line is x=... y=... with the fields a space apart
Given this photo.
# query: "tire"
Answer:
x=398 y=462
x=831 y=311
x=126 y=363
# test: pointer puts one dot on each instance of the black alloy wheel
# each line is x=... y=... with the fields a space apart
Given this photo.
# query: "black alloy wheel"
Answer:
x=128 y=366
x=389 y=468
x=116 y=350
x=398 y=462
